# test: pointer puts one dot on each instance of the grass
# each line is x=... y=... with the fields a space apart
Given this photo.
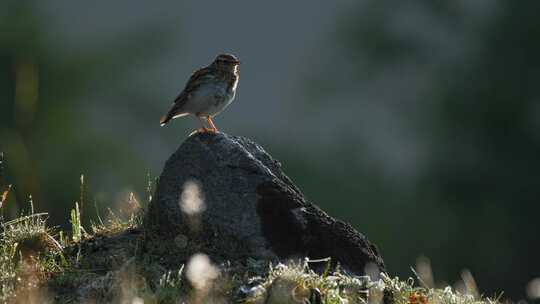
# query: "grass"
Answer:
x=29 y=254
x=39 y=264
x=34 y=262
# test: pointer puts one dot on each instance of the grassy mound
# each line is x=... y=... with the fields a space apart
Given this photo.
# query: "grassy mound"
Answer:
x=39 y=264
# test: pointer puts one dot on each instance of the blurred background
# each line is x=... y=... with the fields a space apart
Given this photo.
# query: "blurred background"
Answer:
x=418 y=122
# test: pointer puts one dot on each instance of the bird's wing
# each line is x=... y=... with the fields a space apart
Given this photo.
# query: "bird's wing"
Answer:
x=198 y=78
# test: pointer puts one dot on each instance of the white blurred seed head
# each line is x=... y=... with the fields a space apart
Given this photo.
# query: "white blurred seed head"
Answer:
x=200 y=271
x=470 y=283
x=423 y=268
x=533 y=289
x=137 y=300
x=373 y=271
x=191 y=200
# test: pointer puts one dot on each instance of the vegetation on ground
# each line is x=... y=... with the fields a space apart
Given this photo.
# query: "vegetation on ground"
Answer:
x=41 y=264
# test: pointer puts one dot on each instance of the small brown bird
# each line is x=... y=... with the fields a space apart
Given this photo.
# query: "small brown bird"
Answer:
x=208 y=92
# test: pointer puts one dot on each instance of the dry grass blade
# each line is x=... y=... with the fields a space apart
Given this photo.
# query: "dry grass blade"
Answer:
x=4 y=196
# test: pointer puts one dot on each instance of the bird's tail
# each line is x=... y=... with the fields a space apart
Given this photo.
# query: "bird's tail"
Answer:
x=171 y=115
x=164 y=120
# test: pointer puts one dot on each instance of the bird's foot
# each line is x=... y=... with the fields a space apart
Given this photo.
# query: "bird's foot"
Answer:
x=204 y=130
x=209 y=130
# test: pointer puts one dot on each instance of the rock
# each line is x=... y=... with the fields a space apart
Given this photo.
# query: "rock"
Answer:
x=226 y=197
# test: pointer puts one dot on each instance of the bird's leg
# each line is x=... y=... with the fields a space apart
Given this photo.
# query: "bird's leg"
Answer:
x=204 y=128
x=214 y=129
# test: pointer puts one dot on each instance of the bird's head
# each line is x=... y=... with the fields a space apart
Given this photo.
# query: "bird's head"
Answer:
x=226 y=62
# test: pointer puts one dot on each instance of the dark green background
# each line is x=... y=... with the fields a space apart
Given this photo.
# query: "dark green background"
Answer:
x=418 y=122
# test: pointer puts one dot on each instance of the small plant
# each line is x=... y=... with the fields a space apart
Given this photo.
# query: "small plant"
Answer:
x=126 y=218
x=170 y=286
x=75 y=220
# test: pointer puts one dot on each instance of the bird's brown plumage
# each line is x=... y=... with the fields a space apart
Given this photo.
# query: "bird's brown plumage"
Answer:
x=223 y=69
x=193 y=84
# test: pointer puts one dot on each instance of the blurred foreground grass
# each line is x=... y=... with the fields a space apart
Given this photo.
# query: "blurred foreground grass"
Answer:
x=41 y=264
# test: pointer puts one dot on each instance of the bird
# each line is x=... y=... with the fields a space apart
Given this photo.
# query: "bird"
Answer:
x=207 y=93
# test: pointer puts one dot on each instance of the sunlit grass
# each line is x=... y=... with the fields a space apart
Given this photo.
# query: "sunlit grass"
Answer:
x=297 y=283
x=129 y=217
x=29 y=253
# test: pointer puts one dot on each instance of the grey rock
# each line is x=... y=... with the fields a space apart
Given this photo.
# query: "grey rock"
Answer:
x=251 y=209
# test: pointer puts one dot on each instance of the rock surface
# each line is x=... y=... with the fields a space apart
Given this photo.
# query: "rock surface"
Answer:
x=226 y=197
